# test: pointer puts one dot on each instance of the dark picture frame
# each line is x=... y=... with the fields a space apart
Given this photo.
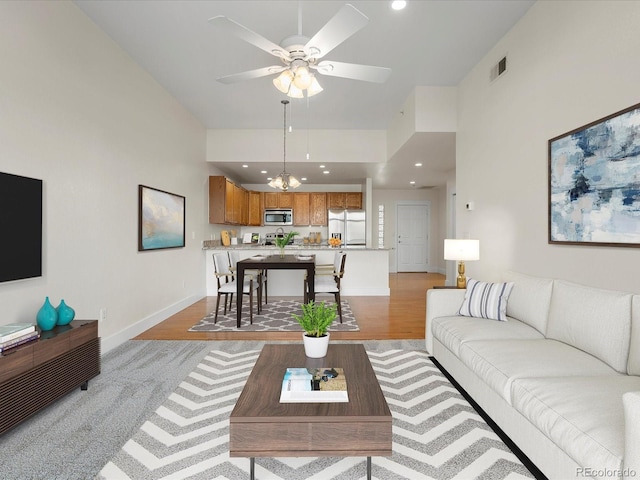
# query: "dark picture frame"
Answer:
x=594 y=182
x=161 y=219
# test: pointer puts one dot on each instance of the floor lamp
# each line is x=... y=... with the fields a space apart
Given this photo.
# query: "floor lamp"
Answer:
x=461 y=251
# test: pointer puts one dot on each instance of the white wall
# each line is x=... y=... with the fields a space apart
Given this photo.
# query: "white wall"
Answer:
x=79 y=114
x=326 y=145
x=569 y=63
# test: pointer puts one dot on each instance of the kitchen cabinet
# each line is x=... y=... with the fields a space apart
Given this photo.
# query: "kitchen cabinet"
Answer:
x=255 y=209
x=301 y=209
x=345 y=200
x=230 y=204
x=227 y=202
x=310 y=209
x=318 y=208
x=278 y=200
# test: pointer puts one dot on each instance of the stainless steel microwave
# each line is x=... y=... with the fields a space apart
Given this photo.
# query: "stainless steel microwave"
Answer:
x=280 y=216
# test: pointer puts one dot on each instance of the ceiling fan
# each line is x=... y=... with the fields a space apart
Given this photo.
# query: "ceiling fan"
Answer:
x=301 y=56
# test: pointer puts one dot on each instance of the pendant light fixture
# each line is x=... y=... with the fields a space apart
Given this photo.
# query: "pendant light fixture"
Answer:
x=284 y=181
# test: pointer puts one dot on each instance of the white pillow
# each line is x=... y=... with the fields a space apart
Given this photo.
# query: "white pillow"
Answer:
x=486 y=300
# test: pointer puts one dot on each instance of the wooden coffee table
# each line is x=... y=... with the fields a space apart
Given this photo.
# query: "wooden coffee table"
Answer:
x=261 y=426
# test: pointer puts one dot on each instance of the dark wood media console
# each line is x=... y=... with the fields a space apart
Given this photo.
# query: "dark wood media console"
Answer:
x=36 y=374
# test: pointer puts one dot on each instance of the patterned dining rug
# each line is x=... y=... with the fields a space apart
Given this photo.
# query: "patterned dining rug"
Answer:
x=436 y=433
x=275 y=316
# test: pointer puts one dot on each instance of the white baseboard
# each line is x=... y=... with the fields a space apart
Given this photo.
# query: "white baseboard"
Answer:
x=140 y=326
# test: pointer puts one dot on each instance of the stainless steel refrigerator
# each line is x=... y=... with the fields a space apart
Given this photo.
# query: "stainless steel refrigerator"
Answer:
x=348 y=225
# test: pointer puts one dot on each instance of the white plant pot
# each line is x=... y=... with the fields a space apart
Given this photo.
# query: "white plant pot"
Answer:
x=315 y=347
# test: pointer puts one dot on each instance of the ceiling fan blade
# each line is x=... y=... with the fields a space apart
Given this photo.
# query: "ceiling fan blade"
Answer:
x=341 y=26
x=251 y=74
x=367 y=73
x=230 y=26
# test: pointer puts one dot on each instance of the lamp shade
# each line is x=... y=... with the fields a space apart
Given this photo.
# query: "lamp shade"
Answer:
x=459 y=249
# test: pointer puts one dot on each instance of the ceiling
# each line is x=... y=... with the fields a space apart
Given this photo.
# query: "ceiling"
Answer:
x=429 y=43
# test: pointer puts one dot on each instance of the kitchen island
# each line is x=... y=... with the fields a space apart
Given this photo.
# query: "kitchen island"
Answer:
x=366 y=269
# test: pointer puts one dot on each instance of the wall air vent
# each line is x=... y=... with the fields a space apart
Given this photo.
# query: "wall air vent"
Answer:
x=498 y=69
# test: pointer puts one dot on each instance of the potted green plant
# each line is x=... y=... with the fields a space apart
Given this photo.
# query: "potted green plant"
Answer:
x=284 y=241
x=315 y=320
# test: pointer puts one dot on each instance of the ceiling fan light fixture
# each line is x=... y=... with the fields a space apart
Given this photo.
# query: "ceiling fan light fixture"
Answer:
x=283 y=81
x=295 y=92
x=314 y=88
x=303 y=78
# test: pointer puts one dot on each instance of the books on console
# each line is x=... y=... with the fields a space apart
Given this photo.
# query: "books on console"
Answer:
x=314 y=385
x=21 y=340
x=15 y=330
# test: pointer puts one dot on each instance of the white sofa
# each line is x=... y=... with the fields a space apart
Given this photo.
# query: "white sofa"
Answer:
x=561 y=377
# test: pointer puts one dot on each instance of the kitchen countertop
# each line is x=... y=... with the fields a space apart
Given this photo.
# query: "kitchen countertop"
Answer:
x=366 y=270
x=288 y=247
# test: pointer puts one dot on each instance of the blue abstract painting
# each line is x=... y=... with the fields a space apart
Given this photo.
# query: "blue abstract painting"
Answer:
x=594 y=182
x=161 y=219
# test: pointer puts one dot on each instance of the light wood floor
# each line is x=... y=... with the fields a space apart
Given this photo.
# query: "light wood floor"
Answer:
x=399 y=316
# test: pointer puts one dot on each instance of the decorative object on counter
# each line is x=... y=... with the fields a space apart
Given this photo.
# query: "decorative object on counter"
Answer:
x=315 y=320
x=65 y=313
x=335 y=242
x=461 y=250
x=47 y=316
x=225 y=238
x=282 y=242
x=274 y=317
x=285 y=180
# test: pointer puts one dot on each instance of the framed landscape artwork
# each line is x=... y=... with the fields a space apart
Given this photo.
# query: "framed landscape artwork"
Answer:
x=594 y=183
x=161 y=219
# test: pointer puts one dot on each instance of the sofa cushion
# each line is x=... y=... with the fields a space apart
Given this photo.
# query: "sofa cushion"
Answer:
x=486 y=300
x=582 y=415
x=634 y=348
x=453 y=331
x=499 y=362
x=529 y=300
x=594 y=320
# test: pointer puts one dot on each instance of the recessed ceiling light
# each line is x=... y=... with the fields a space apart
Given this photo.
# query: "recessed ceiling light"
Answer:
x=321 y=166
x=245 y=166
x=326 y=172
x=398 y=4
x=263 y=171
x=412 y=182
x=304 y=179
x=418 y=164
x=269 y=178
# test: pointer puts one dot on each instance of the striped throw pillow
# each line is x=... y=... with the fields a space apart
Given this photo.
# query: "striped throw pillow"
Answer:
x=486 y=300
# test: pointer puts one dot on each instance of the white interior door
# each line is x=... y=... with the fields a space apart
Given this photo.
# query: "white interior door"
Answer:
x=412 y=241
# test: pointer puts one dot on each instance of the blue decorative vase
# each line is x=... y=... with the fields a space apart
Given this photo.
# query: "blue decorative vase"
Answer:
x=65 y=313
x=47 y=316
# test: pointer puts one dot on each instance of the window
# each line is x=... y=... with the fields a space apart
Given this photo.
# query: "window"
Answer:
x=380 y=226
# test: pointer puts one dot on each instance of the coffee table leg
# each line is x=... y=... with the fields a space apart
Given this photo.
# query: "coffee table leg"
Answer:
x=252 y=468
x=368 y=468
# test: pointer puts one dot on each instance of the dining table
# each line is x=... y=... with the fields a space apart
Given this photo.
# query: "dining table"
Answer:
x=275 y=262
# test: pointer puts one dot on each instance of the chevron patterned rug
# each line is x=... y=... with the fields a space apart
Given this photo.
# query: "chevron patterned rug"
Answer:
x=436 y=433
x=275 y=316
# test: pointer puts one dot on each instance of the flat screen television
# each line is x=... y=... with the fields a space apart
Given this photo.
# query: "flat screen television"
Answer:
x=20 y=227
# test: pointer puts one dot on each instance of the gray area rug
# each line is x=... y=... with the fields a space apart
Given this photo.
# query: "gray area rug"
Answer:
x=436 y=433
x=275 y=316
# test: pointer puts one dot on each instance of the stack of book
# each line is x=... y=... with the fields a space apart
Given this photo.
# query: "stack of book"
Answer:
x=16 y=334
x=314 y=385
